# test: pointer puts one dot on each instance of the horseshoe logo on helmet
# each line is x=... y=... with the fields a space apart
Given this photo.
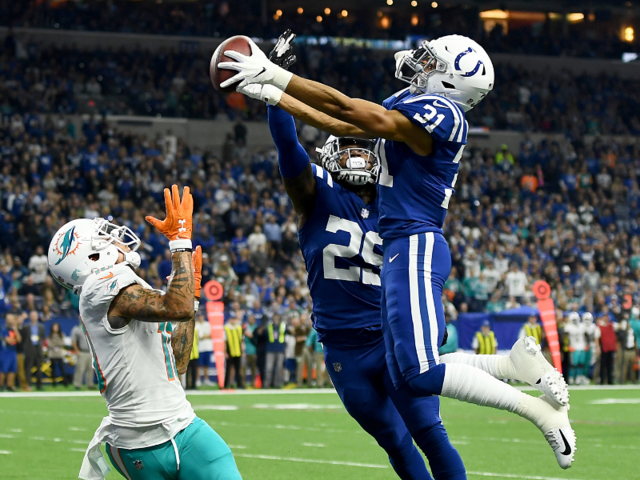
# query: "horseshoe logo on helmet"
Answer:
x=457 y=63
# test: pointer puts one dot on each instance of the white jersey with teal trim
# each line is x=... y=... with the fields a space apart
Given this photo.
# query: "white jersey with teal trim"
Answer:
x=135 y=366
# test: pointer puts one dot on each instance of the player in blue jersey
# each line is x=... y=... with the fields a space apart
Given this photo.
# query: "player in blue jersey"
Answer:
x=422 y=132
x=337 y=228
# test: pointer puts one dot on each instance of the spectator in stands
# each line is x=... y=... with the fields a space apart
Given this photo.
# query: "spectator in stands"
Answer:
x=484 y=342
x=33 y=336
x=9 y=338
x=191 y=375
x=205 y=348
x=516 y=282
x=608 y=348
x=504 y=158
x=38 y=266
x=276 y=331
x=83 y=371
x=56 y=353
x=16 y=317
x=532 y=328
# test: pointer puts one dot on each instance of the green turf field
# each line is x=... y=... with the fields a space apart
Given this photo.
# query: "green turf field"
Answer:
x=309 y=436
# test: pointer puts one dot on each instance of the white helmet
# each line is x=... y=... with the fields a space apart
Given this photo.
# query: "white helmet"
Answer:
x=587 y=318
x=456 y=67
x=362 y=164
x=574 y=318
x=83 y=246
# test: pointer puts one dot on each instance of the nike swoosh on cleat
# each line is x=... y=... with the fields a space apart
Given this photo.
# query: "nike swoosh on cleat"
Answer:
x=393 y=258
x=567 y=447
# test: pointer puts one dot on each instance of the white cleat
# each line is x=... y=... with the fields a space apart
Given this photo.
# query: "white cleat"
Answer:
x=531 y=367
x=554 y=423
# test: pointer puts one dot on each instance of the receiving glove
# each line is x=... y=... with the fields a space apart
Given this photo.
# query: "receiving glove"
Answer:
x=254 y=69
x=178 y=225
x=282 y=54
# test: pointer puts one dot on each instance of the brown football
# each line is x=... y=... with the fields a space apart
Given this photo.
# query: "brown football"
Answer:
x=240 y=44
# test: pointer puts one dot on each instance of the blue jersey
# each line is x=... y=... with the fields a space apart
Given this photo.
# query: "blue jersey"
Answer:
x=414 y=191
x=343 y=254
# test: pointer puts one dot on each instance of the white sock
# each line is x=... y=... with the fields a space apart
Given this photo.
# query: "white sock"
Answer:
x=469 y=384
x=498 y=366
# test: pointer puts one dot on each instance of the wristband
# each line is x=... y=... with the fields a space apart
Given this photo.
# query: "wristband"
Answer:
x=196 y=305
x=271 y=95
x=181 y=244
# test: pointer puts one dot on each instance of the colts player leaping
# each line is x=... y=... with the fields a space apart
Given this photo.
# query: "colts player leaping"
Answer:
x=338 y=231
x=422 y=133
x=151 y=430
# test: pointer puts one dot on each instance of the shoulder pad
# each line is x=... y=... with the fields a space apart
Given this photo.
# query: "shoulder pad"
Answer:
x=438 y=115
x=105 y=283
x=322 y=176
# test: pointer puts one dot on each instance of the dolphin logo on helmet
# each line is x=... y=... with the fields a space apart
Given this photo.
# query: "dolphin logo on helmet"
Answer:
x=67 y=247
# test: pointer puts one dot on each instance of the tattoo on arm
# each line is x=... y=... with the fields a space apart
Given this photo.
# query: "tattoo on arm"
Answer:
x=136 y=302
x=182 y=343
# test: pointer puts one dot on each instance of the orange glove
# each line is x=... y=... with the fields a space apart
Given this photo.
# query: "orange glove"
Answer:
x=197 y=270
x=178 y=225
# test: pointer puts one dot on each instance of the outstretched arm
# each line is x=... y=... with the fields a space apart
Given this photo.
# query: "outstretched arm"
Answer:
x=321 y=121
x=182 y=336
x=147 y=305
x=371 y=118
x=299 y=182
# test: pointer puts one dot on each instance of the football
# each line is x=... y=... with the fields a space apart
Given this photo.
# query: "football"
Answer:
x=239 y=43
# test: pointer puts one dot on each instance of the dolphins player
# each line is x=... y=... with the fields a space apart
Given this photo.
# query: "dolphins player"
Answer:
x=151 y=430
x=422 y=134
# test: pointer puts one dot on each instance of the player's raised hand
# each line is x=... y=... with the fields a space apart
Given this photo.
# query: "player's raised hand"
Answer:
x=282 y=53
x=255 y=68
x=197 y=270
x=178 y=224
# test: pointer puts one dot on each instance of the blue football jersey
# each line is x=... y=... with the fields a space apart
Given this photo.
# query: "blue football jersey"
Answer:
x=414 y=191
x=343 y=253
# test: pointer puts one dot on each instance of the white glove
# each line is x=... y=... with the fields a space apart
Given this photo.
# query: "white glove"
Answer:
x=266 y=93
x=255 y=69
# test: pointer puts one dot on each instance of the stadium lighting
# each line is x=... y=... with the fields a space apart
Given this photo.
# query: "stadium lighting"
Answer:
x=575 y=17
x=344 y=13
x=414 y=3
x=389 y=2
x=300 y=10
x=327 y=11
x=434 y=4
x=494 y=14
x=414 y=19
x=629 y=34
x=385 y=22
x=319 y=18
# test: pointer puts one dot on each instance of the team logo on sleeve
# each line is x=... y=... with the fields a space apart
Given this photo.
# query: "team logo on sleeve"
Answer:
x=113 y=287
x=337 y=367
x=365 y=213
x=67 y=244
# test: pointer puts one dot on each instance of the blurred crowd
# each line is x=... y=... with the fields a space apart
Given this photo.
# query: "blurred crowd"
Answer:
x=38 y=78
x=222 y=18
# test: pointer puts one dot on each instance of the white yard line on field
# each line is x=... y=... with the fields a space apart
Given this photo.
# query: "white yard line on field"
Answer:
x=305 y=444
x=5 y=452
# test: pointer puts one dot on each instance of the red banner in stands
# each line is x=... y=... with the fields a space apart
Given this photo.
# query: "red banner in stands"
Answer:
x=215 y=315
x=542 y=291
